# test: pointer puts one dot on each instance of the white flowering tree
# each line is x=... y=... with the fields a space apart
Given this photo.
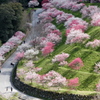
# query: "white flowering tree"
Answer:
x=31 y=53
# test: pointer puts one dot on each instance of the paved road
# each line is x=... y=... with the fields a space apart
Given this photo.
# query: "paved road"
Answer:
x=7 y=69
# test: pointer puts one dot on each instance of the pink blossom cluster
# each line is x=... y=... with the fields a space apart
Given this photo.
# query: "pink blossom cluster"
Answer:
x=69 y=4
x=61 y=58
x=74 y=6
x=11 y=43
x=77 y=63
x=48 y=27
x=47 y=5
x=55 y=12
x=76 y=36
x=73 y=82
x=89 y=11
x=51 y=12
x=21 y=72
x=56 y=31
x=60 y=16
x=52 y=78
x=73 y=22
x=19 y=34
x=43 y=15
x=47 y=49
x=77 y=7
x=58 y=3
x=19 y=55
x=32 y=76
x=29 y=63
x=52 y=37
x=47 y=20
x=95 y=19
x=93 y=44
x=63 y=17
x=75 y=30
x=33 y=3
x=63 y=63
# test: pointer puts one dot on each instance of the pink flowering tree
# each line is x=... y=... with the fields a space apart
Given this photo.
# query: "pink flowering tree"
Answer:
x=89 y=11
x=96 y=19
x=31 y=76
x=72 y=83
x=77 y=63
x=52 y=79
x=60 y=57
x=29 y=64
x=19 y=55
x=76 y=36
x=56 y=31
x=93 y=44
x=21 y=72
x=47 y=50
x=52 y=37
x=47 y=5
x=63 y=63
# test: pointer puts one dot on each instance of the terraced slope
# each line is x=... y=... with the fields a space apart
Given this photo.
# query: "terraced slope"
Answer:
x=87 y=77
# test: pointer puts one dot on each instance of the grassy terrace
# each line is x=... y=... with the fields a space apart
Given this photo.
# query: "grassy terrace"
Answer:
x=87 y=78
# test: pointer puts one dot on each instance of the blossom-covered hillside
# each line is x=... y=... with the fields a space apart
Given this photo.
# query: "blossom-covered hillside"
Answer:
x=67 y=56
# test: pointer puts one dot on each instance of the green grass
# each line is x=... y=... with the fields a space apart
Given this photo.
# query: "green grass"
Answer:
x=92 y=4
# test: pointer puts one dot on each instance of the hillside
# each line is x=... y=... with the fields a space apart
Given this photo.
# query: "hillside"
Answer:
x=88 y=79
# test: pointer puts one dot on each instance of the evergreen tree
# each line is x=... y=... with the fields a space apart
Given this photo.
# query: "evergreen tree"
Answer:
x=10 y=17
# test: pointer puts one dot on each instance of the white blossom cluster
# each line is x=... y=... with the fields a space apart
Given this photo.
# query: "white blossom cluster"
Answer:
x=63 y=17
x=23 y=47
x=97 y=68
x=47 y=5
x=89 y=11
x=76 y=36
x=30 y=53
x=74 y=21
x=95 y=19
x=33 y=3
x=54 y=38
x=93 y=44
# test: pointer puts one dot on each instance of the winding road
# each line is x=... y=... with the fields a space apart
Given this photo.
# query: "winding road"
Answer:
x=7 y=68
